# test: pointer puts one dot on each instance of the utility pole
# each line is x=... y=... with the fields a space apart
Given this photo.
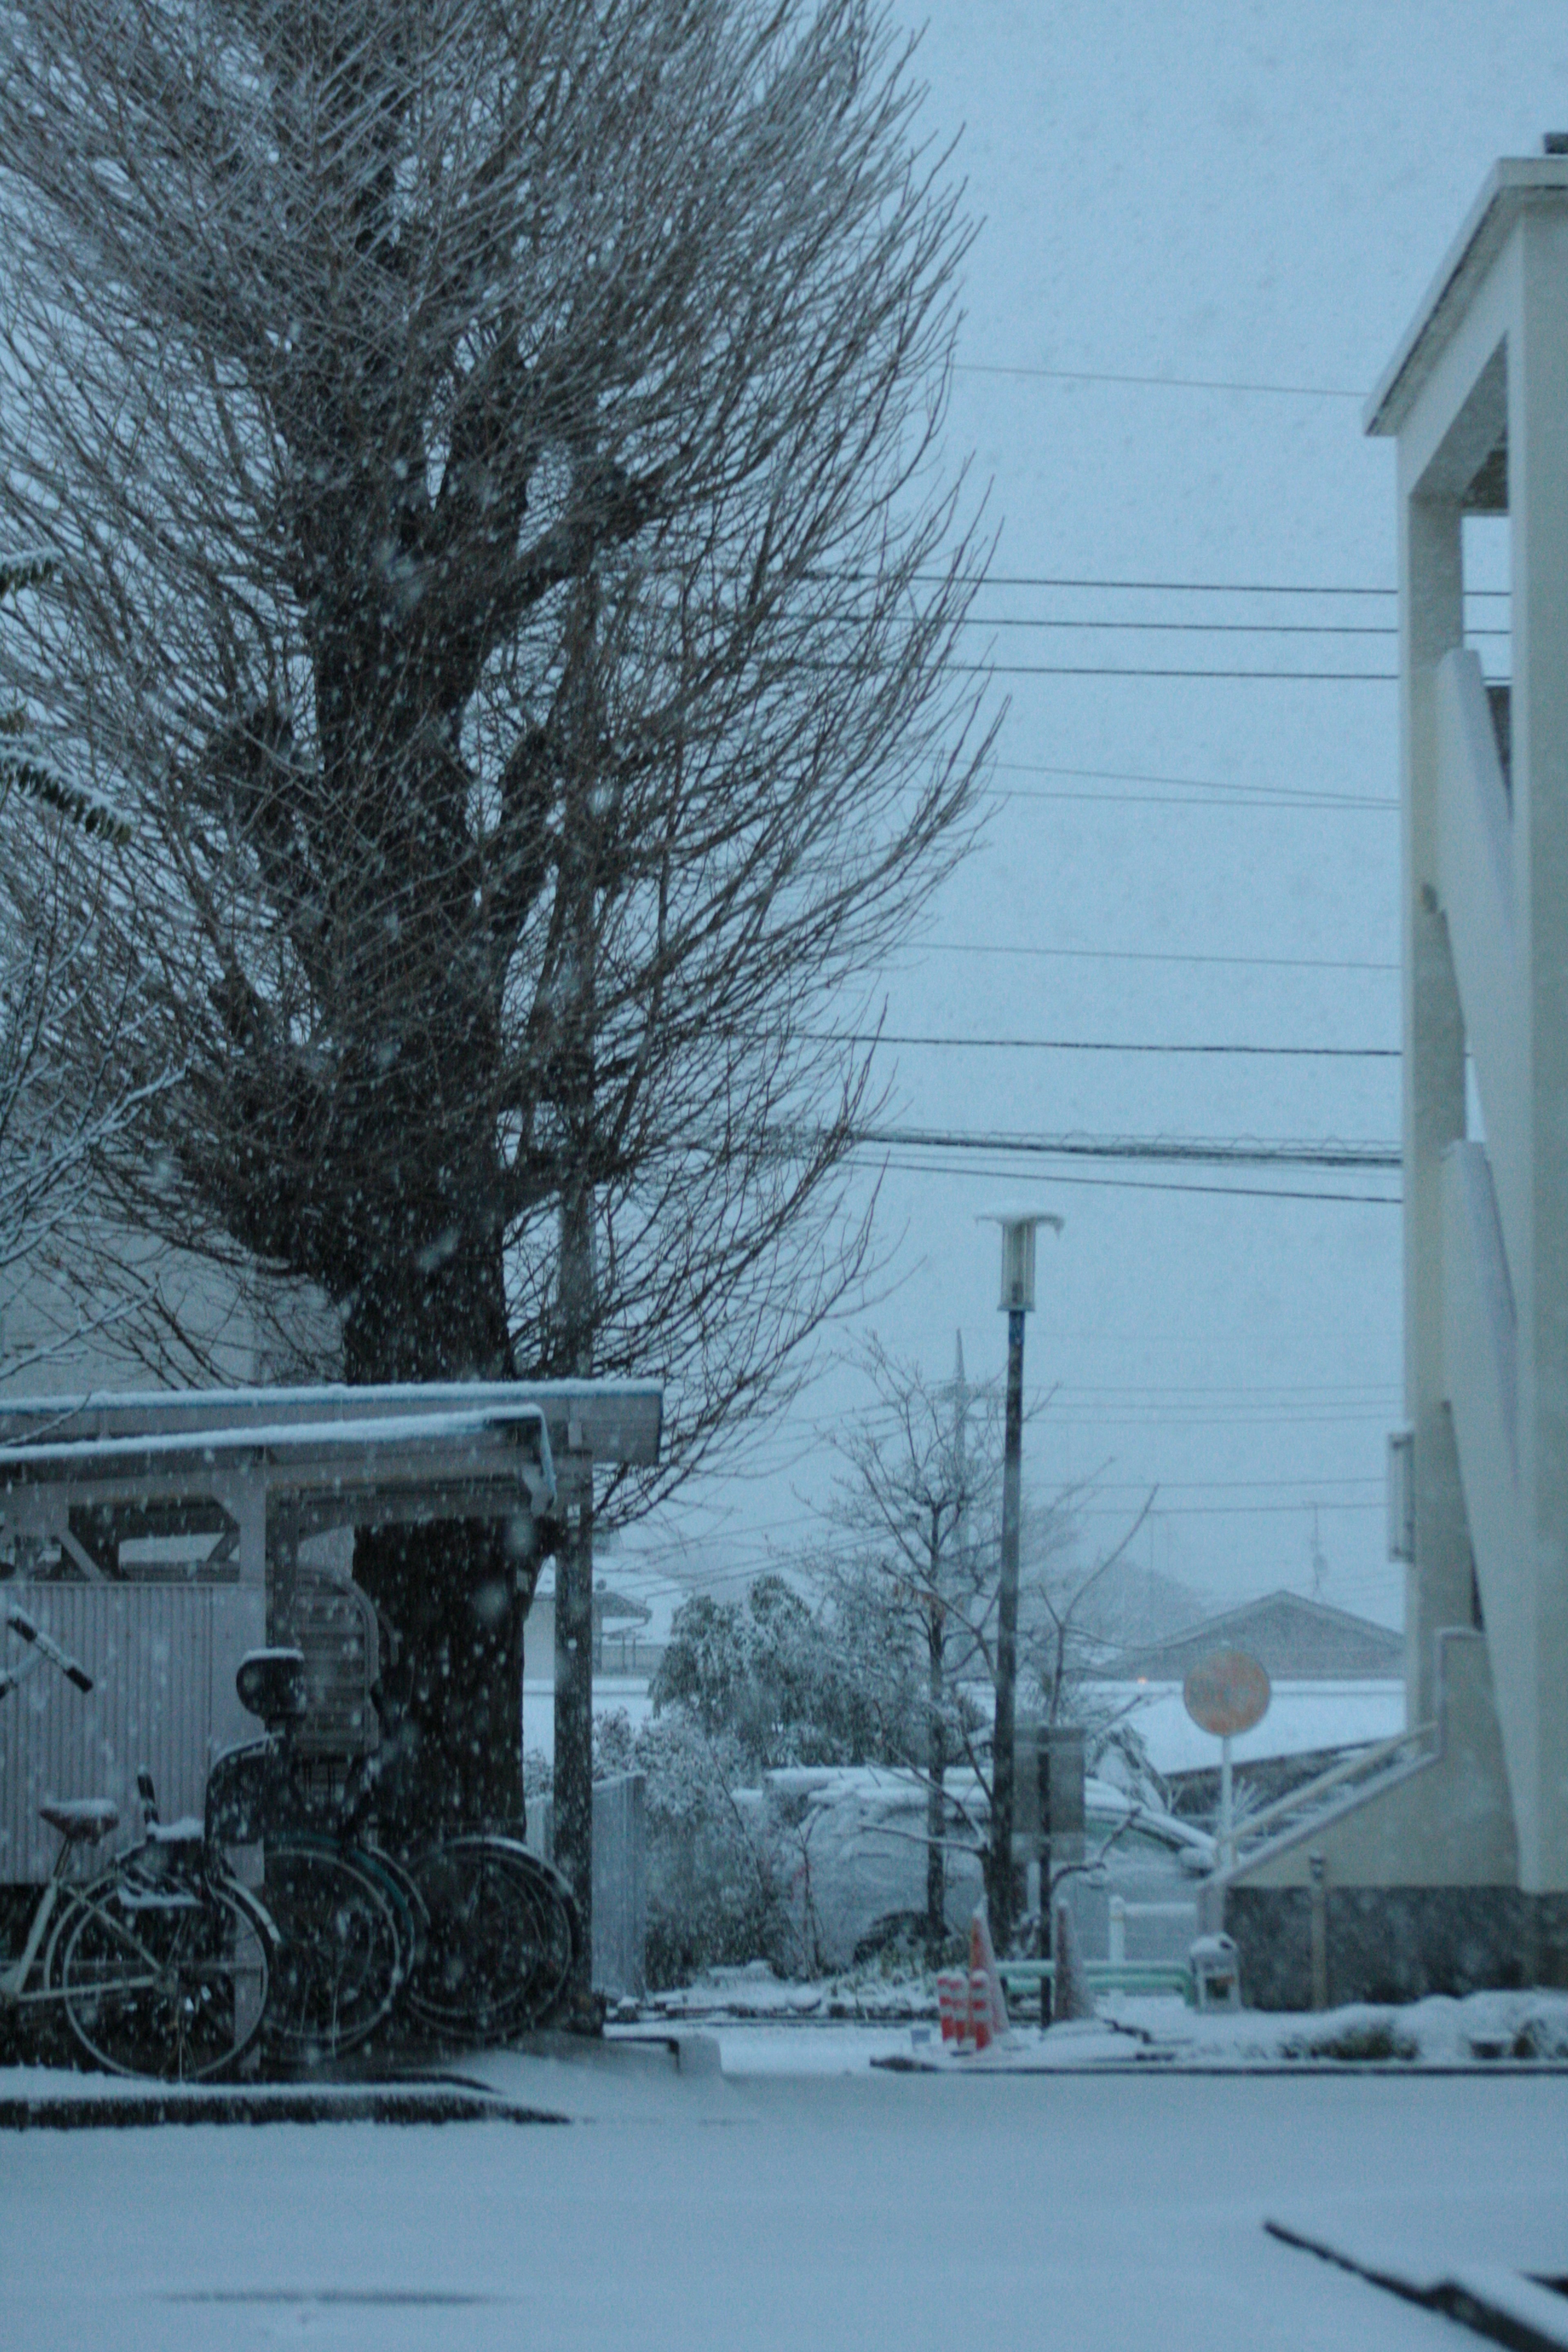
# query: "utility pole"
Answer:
x=574 y=1798
x=936 y=1662
x=1017 y=1299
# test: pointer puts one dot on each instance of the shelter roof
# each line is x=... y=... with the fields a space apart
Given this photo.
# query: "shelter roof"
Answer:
x=616 y=1421
x=485 y=1444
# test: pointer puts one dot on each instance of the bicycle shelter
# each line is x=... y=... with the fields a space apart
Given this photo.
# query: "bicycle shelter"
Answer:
x=159 y=1537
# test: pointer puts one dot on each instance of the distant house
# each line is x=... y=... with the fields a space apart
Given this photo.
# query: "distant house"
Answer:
x=1294 y=1639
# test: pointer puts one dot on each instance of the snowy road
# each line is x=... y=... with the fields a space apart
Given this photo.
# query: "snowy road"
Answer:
x=772 y=2210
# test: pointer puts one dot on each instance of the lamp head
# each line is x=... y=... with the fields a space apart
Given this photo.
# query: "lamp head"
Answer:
x=1019 y=1254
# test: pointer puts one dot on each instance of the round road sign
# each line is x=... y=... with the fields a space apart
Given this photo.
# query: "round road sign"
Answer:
x=1227 y=1692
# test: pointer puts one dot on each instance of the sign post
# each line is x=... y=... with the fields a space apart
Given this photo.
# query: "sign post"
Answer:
x=1227 y=1693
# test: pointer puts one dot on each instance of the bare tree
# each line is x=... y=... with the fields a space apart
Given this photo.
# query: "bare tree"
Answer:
x=515 y=579
x=918 y=1506
x=921 y=1507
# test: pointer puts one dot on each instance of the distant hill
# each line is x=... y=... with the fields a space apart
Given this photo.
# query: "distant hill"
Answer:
x=1131 y=1607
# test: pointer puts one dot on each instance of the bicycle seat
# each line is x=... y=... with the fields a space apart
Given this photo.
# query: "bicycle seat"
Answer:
x=80 y=1817
x=271 y=1684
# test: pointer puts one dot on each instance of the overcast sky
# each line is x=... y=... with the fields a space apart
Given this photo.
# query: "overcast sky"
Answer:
x=1250 y=199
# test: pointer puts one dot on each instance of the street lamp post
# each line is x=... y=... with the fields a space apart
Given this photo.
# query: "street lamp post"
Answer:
x=1017 y=1299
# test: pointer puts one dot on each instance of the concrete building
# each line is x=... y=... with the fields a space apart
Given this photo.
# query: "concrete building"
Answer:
x=1447 y=1865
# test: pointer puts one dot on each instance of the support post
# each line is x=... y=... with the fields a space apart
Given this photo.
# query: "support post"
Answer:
x=574 y=1811
x=572 y=1821
x=1002 y=1893
x=1318 y=1866
x=1017 y=1298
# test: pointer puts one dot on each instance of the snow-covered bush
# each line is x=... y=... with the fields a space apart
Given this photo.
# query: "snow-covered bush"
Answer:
x=711 y=1892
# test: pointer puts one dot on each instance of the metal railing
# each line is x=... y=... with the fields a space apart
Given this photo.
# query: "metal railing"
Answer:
x=1104 y=1976
x=1355 y=1777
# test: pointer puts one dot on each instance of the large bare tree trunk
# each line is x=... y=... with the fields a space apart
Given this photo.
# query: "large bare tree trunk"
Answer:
x=452 y=1701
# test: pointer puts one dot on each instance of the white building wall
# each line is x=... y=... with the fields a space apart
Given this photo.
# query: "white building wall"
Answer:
x=1486 y=973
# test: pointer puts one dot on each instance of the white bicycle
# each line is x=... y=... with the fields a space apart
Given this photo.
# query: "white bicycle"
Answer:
x=162 y=1964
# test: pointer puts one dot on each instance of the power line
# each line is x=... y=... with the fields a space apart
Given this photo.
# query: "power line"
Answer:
x=1153 y=955
x=1160 y=587
x=1137 y=776
x=1227 y=797
x=1094 y=669
x=1208 y=628
x=1100 y=1045
x=1239 y=1485
x=1235 y=795
x=1038 y=1393
x=1158 y=383
x=1205 y=1150
x=1227 y=1510
x=1164 y=587
x=1146 y=1184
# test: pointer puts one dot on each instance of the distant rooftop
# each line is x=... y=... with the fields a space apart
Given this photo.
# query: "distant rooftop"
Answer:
x=1292 y=1638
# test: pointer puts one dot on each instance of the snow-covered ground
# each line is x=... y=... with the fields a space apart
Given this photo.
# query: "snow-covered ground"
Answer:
x=787 y=2205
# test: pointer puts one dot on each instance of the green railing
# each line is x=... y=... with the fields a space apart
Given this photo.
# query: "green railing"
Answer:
x=1104 y=1976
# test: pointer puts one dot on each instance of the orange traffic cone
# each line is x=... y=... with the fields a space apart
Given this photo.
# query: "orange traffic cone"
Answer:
x=980 y=2007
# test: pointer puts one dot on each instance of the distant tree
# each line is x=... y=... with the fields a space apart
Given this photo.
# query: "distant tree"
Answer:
x=915 y=1512
x=771 y=1674
x=514 y=581
x=917 y=1517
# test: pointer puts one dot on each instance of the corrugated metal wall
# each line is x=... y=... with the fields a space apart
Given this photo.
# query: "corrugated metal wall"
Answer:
x=163 y=1658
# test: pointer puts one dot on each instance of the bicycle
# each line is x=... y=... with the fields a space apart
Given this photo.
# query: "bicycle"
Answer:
x=474 y=1934
x=162 y=1965
x=351 y=1920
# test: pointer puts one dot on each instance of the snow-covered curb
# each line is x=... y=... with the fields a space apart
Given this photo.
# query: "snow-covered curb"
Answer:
x=1486 y=2031
x=1485 y=2028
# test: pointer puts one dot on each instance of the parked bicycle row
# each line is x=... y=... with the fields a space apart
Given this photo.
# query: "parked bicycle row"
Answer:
x=169 y=1964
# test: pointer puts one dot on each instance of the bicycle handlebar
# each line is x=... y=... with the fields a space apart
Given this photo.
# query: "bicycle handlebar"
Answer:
x=21 y=1625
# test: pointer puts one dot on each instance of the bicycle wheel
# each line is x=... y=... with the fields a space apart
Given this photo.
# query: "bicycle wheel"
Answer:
x=347 y=1948
x=168 y=1980
x=502 y=1942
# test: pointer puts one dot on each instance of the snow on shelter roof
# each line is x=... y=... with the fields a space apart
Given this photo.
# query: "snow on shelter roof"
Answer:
x=487 y=1463
x=304 y=1445
x=616 y=1421
x=1516 y=184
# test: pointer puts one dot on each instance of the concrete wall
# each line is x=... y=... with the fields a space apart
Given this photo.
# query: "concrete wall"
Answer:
x=1395 y=1943
x=1443 y=1821
x=620 y=1880
x=107 y=1327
